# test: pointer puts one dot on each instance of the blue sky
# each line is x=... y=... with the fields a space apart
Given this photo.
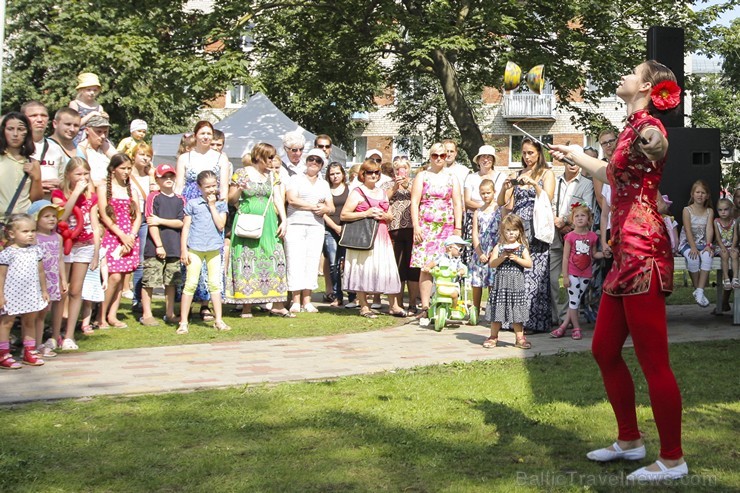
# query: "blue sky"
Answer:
x=727 y=17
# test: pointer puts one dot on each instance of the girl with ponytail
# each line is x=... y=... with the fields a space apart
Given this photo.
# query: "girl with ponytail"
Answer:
x=119 y=213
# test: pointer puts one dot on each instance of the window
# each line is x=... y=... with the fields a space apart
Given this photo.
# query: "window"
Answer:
x=238 y=95
x=410 y=147
x=359 y=148
x=515 y=153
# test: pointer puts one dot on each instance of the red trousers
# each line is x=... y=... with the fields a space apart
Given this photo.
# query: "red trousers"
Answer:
x=643 y=317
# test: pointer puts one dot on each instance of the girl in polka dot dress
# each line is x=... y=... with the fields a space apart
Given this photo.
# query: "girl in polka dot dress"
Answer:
x=579 y=247
x=22 y=289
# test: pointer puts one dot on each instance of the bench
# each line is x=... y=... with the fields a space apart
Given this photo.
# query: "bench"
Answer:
x=679 y=263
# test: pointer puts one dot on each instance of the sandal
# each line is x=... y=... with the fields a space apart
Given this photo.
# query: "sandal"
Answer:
x=245 y=315
x=368 y=314
x=559 y=332
x=402 y=314
x=221 y=325
x=118 y=324
x=576 y=334
x=205 y=314
x=523 y=343
x=309 y=308
x=727 y=284
x=735 y=283
x=491 y=342
x=421 y=313
x=282 y=313
x=87 y=330
x=183 y=328
x=8 y=363
x=329 y=298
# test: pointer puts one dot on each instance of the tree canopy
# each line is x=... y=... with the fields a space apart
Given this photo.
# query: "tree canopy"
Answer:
x=155 y=61
x=324 y=59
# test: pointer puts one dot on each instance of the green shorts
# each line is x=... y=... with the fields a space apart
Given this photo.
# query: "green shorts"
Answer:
x=162 y=272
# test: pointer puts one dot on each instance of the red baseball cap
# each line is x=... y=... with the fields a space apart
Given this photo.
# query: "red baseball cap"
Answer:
x=163 y=169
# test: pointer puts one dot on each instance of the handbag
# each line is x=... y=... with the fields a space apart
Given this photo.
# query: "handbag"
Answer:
x=360 y=234
x=543 y=219
x=250 y=225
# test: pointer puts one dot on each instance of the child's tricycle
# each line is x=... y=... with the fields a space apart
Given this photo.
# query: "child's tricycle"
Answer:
x=447 y=290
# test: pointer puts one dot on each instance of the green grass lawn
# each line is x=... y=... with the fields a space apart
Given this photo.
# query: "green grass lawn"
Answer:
x=509 y=426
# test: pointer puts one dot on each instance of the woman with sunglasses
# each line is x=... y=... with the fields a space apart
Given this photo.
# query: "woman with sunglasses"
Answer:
x=309 y=198
x=370 y=271
x=255 y=270
x=634 y=291
x=436 y=213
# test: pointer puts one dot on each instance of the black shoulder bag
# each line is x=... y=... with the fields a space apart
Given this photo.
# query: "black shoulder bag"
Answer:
x=360 y=234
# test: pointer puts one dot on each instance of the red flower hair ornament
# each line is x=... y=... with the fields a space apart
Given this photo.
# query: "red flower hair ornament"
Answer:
x=666 y=95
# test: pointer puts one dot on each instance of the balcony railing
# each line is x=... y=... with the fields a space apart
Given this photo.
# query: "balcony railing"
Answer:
x=529 y=106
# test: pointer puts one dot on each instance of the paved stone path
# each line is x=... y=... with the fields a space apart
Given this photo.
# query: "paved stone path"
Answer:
x=197 y=366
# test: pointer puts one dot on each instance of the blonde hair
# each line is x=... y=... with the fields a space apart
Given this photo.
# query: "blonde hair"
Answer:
x=73 y=164
x=581 y=208
x=705 y=186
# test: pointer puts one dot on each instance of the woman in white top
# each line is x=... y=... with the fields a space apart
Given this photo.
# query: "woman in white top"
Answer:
x=200 y=158
x=485 y=160
x=309 y=198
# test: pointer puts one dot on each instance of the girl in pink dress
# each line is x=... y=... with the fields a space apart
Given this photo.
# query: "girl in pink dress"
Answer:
x=119 y=212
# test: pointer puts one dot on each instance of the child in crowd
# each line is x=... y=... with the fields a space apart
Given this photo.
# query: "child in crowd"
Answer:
x=142 y=179
x=22 y=289
x=138 y=130
x=119 y=212
x=165 y=214
x=85 y=103
x=218 y=140
x=726 y=234
x=49 y=241
x=451 y=259
x=579 y=248
x=78 y=198
x=187 y=142
x=507 y=299
x=202 y=240
x=93 y=291
x=664 y=204
x=484 y=239
x=695 y=243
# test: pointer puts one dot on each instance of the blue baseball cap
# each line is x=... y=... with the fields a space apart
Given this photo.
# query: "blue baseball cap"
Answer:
x=40 y=205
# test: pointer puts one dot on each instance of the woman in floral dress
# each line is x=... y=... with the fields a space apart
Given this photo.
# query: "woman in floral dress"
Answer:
x=256 y=270
x=436 y=213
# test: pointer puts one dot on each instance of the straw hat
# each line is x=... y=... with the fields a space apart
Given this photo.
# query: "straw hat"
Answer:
x=87 y=79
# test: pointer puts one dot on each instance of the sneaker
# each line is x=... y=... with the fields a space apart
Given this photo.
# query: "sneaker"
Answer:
x=424 y=322
x=128 y=294
x=69 y=345
x=351 y=305
x=698 y=297
x=31 y=357
x=703 y=302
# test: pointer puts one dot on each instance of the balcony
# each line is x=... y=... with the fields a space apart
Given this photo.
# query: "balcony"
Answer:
x=528 y=106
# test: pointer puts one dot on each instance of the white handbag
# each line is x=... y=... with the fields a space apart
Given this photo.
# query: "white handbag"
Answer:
x=543 y=219
x=250 y=225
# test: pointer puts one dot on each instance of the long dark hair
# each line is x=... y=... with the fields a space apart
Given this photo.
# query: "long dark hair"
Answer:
x=116 y=161
x=28 y=147
x=541 y=164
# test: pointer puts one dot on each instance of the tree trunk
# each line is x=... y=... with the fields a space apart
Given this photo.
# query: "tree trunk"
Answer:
x=471 y=137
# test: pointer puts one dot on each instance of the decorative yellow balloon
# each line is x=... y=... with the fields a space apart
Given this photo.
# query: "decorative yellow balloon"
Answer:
x=535 y=77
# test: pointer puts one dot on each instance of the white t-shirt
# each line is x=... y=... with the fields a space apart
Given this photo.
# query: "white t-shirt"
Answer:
x=54 y=160
x=473 y=181
x=308 y=192
x=460 y=172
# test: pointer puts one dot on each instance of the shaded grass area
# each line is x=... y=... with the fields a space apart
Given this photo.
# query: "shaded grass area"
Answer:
x=507 y=425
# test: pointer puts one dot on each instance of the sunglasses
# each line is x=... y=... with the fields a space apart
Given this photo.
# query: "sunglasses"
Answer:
x=271 y=157
x=294 y=149
x=314 y=159
x=588 y=148
x=434 y=155
x=372 y=172
x=608 y=142
x=376 y=160
x=324 y=146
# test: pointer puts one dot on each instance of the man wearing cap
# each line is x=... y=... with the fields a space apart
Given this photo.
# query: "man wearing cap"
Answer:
x=570 y=187
x=138 y=130
x=51 y=158
x=97 y=149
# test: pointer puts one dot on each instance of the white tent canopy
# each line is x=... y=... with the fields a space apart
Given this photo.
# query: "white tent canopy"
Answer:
x=257 y=121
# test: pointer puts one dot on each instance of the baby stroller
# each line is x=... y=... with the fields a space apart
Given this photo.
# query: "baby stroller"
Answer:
x=446 y=283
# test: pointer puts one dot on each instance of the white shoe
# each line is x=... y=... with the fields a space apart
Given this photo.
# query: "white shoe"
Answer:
x=351 y=305
x=704 y=302
x=665 y=474
x=295 y=308
x=376 y=306
x=128 y=294
x=424 y=322
x=606 y=455
x=51 y=344
x=309 y=308
x=69 y=345
x=697 y=296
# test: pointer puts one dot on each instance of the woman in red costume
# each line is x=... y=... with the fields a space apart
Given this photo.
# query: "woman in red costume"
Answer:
x=633 y=303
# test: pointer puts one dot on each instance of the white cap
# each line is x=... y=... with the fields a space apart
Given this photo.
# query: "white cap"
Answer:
x=455 y=240
x=372 y=152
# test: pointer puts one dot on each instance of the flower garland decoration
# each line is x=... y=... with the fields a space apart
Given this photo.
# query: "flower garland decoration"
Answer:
x=666 y=95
